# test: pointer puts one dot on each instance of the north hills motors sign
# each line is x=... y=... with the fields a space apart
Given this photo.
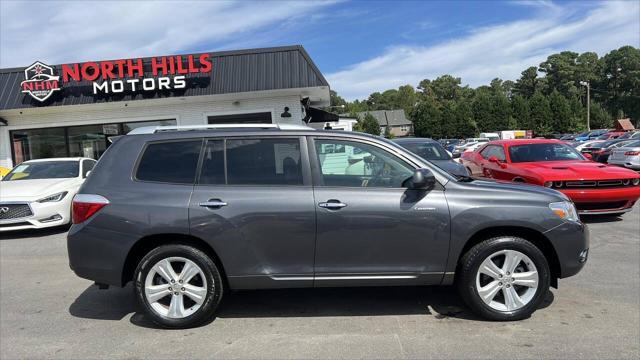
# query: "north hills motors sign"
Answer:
x=115 y=76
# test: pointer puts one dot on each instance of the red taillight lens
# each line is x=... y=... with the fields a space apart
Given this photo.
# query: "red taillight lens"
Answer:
x=86 y=205
x=632 y=153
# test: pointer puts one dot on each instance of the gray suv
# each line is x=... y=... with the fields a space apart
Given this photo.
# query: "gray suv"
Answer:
x=189 y=215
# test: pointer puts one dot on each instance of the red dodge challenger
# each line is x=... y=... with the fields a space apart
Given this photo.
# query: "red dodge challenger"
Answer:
x=595 y=188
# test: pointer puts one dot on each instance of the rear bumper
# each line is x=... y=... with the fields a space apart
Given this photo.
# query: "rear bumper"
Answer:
x=630 y=162
x=571 y=243
x=603 y=201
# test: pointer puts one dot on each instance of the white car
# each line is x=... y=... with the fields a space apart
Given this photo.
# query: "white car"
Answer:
x=38 y=193
x=587 y=144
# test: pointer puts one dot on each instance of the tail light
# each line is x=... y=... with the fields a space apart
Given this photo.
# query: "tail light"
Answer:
x=632 y=153
x=86 y=205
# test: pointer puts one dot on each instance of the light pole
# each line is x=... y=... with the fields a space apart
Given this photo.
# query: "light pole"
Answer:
x=586 y=83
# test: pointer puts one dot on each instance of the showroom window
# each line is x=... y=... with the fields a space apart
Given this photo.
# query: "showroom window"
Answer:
x=38 y=143
x=76 y=141
x=250 y=118
x=170 y=162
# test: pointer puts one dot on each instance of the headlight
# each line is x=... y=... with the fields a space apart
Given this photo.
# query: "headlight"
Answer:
x=635 y=181
x=52 y=198
x=548 y=184
x=564 y=210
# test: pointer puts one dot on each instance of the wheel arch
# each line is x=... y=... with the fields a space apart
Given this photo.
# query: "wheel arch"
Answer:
x=535 y=237
x=150 y=242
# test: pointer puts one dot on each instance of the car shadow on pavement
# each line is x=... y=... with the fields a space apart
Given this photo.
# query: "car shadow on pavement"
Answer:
x=33 y=233
x=441 y=302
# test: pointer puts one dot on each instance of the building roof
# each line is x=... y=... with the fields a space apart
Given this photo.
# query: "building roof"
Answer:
x=287 y=67
x=388 y=117
x=624 y=124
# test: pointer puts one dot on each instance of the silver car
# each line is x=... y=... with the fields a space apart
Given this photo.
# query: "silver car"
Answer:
x=627 y=156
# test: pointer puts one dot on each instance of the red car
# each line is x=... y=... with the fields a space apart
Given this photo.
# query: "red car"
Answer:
x=595 y=188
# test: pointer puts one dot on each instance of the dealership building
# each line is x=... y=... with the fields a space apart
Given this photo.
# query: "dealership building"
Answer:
x=72 y=109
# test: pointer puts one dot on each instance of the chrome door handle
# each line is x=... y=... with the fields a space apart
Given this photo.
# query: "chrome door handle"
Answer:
x=214 y=203
x=333 y=205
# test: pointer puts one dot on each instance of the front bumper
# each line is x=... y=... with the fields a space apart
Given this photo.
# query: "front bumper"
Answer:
x=571 y=243
x=43 y=215
x=603 y=201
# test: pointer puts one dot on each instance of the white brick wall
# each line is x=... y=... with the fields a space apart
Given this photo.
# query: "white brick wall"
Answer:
x=187 y=111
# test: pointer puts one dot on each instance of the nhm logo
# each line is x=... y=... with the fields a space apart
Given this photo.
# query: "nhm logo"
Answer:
x=40 y=81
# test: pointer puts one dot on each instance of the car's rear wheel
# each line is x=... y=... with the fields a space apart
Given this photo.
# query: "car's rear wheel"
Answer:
x=504 y=278
x=179 y=286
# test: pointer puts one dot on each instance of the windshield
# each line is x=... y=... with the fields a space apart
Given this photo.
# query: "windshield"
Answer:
x=43 y=170
x=429 y=151
x=633 y=144
x=543 y=152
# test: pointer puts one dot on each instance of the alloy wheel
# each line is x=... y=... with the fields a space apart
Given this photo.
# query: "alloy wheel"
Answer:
x=175 y=287
x=507 y=280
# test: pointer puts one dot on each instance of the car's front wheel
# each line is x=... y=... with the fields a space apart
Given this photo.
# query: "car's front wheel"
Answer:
x=504 y=278
x=179 y=286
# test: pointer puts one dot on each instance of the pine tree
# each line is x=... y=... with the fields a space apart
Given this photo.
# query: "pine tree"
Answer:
x=482 y=111
x=540 y=114
x=560 y=112
x=426 y=118
x=520 y=112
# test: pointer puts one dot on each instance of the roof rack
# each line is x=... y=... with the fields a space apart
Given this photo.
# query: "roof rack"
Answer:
x=157 y=129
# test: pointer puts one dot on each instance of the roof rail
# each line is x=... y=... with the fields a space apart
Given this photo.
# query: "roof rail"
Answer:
x=157 y=129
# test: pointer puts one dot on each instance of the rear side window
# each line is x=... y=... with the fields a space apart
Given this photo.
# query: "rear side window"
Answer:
x=274 y=161
x=170 y=162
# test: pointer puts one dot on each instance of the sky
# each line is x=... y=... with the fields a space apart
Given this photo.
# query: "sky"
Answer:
x=360 y=46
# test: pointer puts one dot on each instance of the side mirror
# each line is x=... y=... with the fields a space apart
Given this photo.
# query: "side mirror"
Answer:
x=588 y=156
x=422 y=179
x=493 y=159
x=86 y=174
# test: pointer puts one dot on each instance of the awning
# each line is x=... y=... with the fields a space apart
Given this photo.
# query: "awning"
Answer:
x=320 y=116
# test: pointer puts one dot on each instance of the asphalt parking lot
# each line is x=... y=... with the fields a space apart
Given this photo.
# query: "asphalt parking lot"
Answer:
x=48 y=312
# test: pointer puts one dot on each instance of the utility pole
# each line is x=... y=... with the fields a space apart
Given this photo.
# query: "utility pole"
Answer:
x=586 y=83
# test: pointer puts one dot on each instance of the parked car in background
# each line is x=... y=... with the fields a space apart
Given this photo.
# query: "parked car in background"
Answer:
x=431 y=150
x=600 y=151
x=610 y=135
x=568 y=137
x=631 y=135
x=38 y=193
x=581 y=145
x=189 y=215
x=627 y=156
x=595 y=188
x=591 y=135
x=470 y=143
x=3 y=171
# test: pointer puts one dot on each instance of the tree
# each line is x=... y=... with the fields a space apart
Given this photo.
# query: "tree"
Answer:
x=528 y=83
x=600 y=118
x=501 y=112
x=620 y=83
x=560 y=112
x=463 y=123
x=578 y=115
x=370 y=125
x=482 y=109
x=426 y=118
x=540 y=114
x=335 y=99
x=520 y=113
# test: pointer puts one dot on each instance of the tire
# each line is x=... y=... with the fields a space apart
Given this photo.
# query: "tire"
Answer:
x=503 y=305
x=197 y=294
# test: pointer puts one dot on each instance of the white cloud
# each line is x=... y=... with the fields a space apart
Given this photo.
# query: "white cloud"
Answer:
x=497 y=51
x=58 y=32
